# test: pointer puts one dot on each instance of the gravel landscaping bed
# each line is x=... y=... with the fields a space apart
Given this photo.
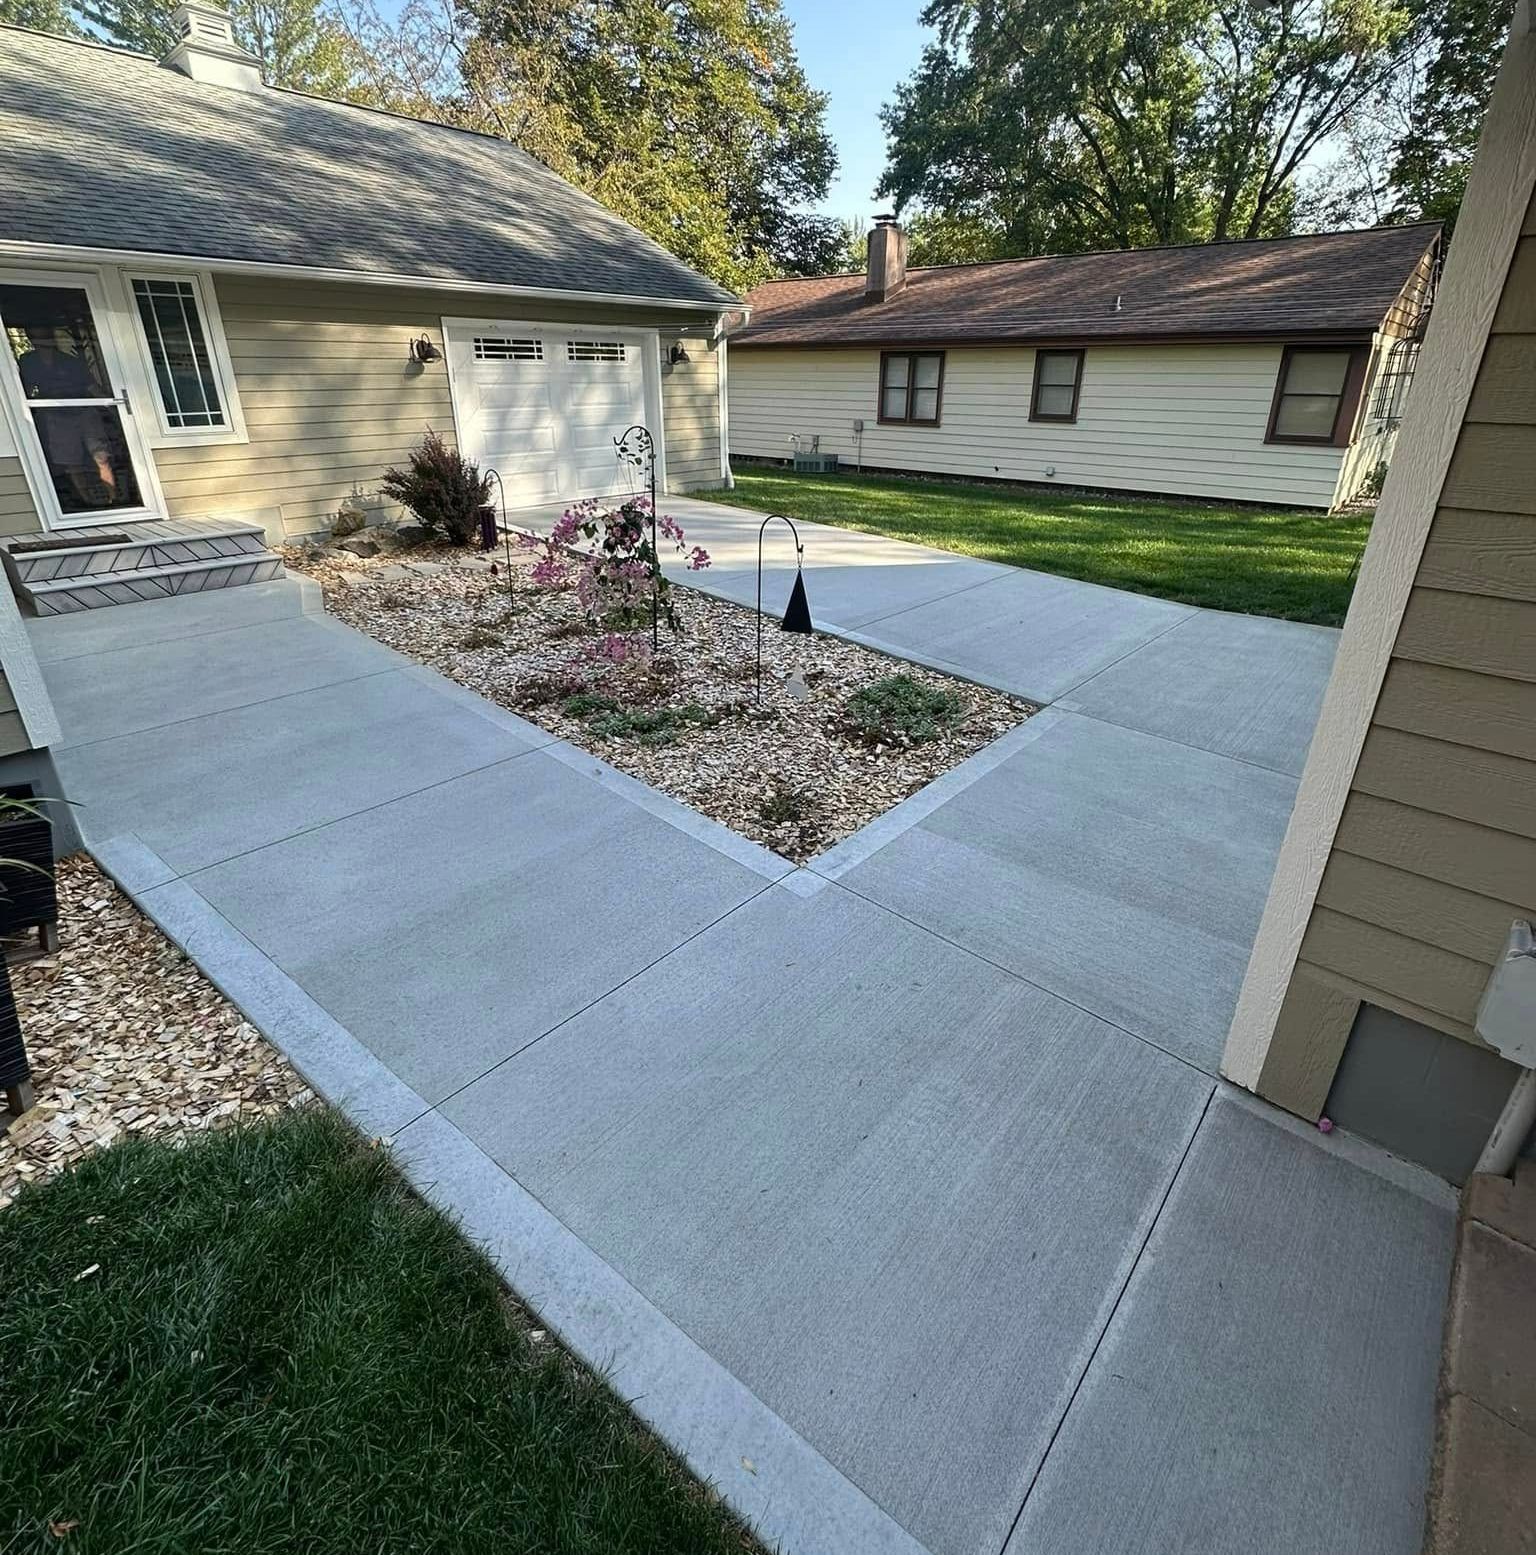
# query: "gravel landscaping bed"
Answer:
x=126 y=1036
x=796 y=774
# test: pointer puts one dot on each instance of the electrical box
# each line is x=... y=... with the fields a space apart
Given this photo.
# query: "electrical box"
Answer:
x=858 y=426
x=1506 y=1014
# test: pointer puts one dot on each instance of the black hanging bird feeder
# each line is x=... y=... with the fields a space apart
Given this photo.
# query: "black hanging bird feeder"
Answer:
x=637 y=448
x=797 y=613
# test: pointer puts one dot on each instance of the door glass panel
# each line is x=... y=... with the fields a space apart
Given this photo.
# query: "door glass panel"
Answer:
x=53 y=337
x=87 y=456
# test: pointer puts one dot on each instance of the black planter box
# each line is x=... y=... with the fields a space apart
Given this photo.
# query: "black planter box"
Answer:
x=14 y=1069
x=28 y=897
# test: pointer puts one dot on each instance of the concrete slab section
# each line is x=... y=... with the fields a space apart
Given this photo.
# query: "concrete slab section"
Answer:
x=447 y=929
x=850 y=596
x=254 y=775
x=183 y=615
x=180 y=678
x=1485 y=1491
x=1029 y=633
x=891 y=1188
x=1238 y=685
x=1267 y=1384
x=1123 y=872
x=791 y=1495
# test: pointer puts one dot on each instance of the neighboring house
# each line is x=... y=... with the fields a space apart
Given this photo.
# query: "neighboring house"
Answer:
x=1412 y=848
x=1272 y=371
x=228 y=301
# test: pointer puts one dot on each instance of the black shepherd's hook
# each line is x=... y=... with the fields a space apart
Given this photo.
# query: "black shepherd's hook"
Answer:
x=506 y=533
x=797 y=614
x=642 y=454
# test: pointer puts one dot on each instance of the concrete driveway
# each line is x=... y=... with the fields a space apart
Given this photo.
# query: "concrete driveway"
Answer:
x=897 y=1191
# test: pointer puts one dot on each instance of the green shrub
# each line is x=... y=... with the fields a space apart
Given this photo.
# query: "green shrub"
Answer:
x=899 y=710
x=654 y=726
x=585 y=703
x=442 y=488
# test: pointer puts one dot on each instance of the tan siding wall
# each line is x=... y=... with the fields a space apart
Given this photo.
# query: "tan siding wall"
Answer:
x=18 y=515
x=1436 y=850
x=331 y=398
x=1185 y=419
x=690 y=408
x=13 y=736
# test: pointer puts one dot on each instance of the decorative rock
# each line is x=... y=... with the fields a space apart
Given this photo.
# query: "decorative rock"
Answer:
x=367 y=549
x=412 y=534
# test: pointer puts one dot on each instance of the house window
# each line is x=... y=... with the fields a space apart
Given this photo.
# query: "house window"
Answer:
x=1316 y=387
x=911 y=387
x=176 y=334
x=1393 y=381
x=1058 y=383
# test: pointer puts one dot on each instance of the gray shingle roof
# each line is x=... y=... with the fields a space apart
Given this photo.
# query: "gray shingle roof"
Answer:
x=103 y=149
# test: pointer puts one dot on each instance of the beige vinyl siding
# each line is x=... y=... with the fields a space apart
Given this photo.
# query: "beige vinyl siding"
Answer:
x=13 y=733
x=18 y=513
x=1435 y=853
x=690 y=409
x=1182 y=419
x=331 y=397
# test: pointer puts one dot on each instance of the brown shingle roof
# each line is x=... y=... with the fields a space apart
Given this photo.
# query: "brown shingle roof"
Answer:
x=1339 y=283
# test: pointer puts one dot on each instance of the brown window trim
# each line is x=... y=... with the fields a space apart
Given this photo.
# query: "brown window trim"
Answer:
x=1349 y=398
x=909 y=420
x=1036 y=414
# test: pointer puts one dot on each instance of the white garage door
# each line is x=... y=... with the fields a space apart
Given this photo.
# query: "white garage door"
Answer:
x=543 y=403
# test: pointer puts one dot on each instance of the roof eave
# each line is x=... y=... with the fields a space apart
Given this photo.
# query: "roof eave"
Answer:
x=61 y=253
x=747 y=340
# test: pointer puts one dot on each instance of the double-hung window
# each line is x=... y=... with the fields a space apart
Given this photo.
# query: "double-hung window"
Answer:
x=1058 y=384
x=1316 y=395
x=911 y=387
x=192 y=389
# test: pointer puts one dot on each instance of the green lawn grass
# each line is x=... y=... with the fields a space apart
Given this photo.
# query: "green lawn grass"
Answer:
x=278 y=1349
x=1265 y=561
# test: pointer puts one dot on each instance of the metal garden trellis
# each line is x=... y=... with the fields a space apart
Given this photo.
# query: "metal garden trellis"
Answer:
x=637 y=449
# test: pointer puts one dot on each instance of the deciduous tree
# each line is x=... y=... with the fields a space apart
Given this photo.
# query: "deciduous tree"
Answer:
x=1119 y=123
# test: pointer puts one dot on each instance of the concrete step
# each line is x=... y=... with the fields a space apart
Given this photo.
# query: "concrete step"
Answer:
x=59 y=596
x=1482 y=1497
x=92 y=554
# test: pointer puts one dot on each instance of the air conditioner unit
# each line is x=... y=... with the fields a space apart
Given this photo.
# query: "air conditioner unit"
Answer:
x=808 y=458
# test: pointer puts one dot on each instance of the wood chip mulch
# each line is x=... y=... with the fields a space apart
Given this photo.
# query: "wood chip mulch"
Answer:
x=786 y=774
x=126 y=1036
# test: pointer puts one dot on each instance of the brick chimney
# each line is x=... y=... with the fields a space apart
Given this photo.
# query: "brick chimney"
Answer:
x=208 y=51
x=887 y=260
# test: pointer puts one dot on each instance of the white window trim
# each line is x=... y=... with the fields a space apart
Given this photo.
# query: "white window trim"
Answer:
x=141 y=364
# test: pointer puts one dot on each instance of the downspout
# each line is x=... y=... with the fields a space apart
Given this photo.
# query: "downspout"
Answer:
x=727 y=480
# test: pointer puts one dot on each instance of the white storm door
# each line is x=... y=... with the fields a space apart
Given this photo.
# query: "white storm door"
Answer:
x=59 y=371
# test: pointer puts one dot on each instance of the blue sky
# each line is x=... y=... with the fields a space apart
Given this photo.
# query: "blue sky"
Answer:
x=857 y=51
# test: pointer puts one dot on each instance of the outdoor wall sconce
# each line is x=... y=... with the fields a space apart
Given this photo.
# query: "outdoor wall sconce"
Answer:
x=423 y=351
x=797 y=614
x=679 y=354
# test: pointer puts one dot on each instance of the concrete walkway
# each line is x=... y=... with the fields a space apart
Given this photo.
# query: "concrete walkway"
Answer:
x=897 y=1190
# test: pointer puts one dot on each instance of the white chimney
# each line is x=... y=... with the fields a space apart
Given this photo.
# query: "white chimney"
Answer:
x=208 y=51
x=887 y=260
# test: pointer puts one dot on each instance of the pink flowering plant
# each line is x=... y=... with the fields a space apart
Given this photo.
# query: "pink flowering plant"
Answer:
x=615 y=569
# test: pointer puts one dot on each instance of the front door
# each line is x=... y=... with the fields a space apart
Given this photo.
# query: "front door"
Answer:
x=85 y=459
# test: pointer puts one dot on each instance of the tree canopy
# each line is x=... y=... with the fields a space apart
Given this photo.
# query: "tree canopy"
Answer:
x=692 y=119
x=1116 y=123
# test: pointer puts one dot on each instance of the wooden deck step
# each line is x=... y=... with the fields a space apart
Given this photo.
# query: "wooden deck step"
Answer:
x=59 y=596
x=169 y=543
